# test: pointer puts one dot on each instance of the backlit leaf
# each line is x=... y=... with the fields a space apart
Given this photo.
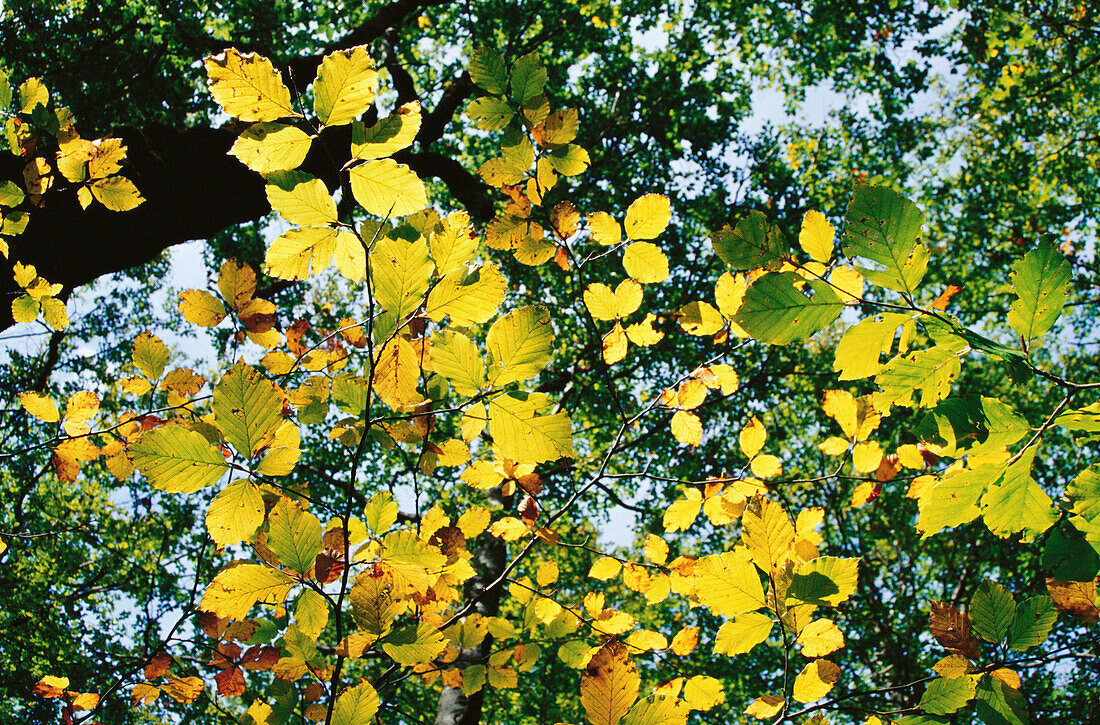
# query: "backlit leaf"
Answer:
x=728 y=583
x=248 y=87
x=301 y=199
x=235 y=590
x=177 y=460
x=399 y=272
x=816 y=236
x=1040 y=281
x=201 y=308
x=268 y=147
x=819 y=638
x=944 y=696
x=645 y=262
x=815 y=681
x=647 y=217
x=782 y=308
x=247 y=408
x=885 y=228
x=825 y=581
x=742 y=632
x=117 y=193
x=609 y=685
x=235 y=513
x=390 y=135
x=345 y=87
x=519 y=345
x=387 y=189
x=525 y=436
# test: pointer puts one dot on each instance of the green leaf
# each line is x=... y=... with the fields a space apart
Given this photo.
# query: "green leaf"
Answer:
x=954 y=500
x=1017 y=504
x=247 y=408
x=741 y=633
x=825 y=581
x=1084 y=495
x=777 y=310
x=400 y=271
x=885 y=228
x=1003 y=426
x=1086 y=419
x=268 y=147
x=1032 y=622
x=930 y=372
x=356 y=706
x=10 y=193
x=999 y=704
x=528 y=78
x=490 y=113
x=311 y=613
x=380 y=513
x=858 y=353
x=520 y=345
x=945 y=696
x=569 y=160
x=301 y=199
x=294 y=535
x=752 y=243
x=345 y=87
x=468 y=297
x=1068 y=556
x=5 y=92
x=178 y=460
x=1040 y=281
x=235 y=514
x=456 y=357
x=414 y=644
x=487 y=70
x=991 y=611
x=523 y=435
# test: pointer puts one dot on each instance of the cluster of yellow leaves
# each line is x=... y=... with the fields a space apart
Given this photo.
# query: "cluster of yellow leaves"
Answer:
x=51 y=687
x=236 y=288
x=38 y=296
x=687 y=428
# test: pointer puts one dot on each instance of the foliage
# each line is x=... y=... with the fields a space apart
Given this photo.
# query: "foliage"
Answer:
x=398 y=472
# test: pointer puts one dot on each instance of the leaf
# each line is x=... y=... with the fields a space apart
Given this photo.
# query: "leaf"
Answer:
x=528 y=78
x=199 y=307
x=1040 y=281
x=396 y=374
x=777 y=310
x=400 y=271
x=885 y=228
x=819 y=638
x=742 y=632
x=523 y=435
x=345 y=87
x=1084 y=496
x=687 y=428
x=32 y=92
x=765 y=707
x=390 y=135
x=999 y=704
x=519 y=344
x=951 y=628
x=647 y=217
x=247 y=408
x=700 y=319
x=815 y=681
x=269 y=147
x=1077 y=599
x=453 y=244
x=415 y=644
x=456 y=357
x=387 y=189
x=469 y=298
x=609 y=685
x=294 y=535
x=702 y=692
x=301 y=252
x=235 y=514
x=645 y=262
x=235 y=590
x=816 y=236
x=487 y=70
x=248 y=87
x=177 y=460
x=991 y=611
x=356 y=706
x=117 y=193
x=767 y=533
x=40 y=406
x=944 y=696
x=825 y=581
x=301 y=199
x=728 y=583
x=752 y=437
x=753 y=243
x=489 y=113
x=1031 y=623
x=930 y=372
x=1017 y=504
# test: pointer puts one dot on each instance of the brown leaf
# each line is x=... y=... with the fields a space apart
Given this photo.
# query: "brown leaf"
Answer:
x=158 y=664
x=1077 y=599
x=230 y=682
x=951 y=628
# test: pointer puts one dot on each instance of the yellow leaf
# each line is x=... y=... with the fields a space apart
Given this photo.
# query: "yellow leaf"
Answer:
x=301 y=252
x=816 y=236
x=866 y=456
x=519 y=344
x=647 y=217
x=469 y=298
x=766 y=707
x=600 y=301
x=50 y=686
x=702 y=692
x=768 y=533
x=235 y=514
x=645 y=640
x=177 y=460
x=40 y=406
x=643 y=334
x=525 y=436
x=311 y=613
x=728 y=583
x=547 y=573
x=235 y=590
x=952 y=667
x=387 y=189
x=645 y=262
x=604 y=568
x=699 y=319
x=741 y=633
x=248 y=87
x=656 y=549
x=150 y=355
x=453 y=244
x=117 y=193
x=199 y=307
x=397 y=373
x=32 y=92
x=685 y=641
x=247 y=409
x=345 y=87
x=301 y=199
x=604 y=229
x=389 y=135
x=614 y=345
x=236 y=282
x=356 y=706
x=833 y=446
x=819 y=638
x=687 y=428
x=509 y=528
x=609 y=685
x=182 y=689
x=682 y=513
x=848 y=284
x=80 y=408
x=752 y=437
x=269 y=147
x=815 y=681
x=691 y=394
x=143 y=693
x=294 y=535
x=766 y=466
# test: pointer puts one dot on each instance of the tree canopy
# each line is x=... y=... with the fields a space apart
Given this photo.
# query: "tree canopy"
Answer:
x=571 y=361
